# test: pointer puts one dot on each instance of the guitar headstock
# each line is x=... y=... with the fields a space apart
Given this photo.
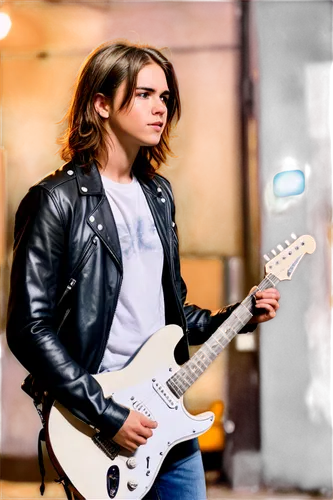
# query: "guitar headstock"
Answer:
x=284 y=263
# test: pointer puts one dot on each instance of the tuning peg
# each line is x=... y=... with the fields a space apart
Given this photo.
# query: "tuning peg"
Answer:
x=273 y=252
x=293 y=235
x=287 y=242
x=266 y=257
x=280 y=247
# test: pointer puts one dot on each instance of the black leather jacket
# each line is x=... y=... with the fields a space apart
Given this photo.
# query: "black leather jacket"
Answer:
x=65 y=283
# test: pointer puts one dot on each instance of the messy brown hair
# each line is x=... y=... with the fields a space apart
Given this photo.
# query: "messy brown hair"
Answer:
x=103 y=72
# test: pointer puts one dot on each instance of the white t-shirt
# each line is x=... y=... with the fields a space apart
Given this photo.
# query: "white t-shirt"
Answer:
x=140 y=310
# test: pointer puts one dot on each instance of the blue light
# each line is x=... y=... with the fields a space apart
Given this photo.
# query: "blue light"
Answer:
x=289 y=183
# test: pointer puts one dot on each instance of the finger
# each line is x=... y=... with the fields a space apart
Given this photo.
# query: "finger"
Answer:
x=146 y=432
x=264 y=313
x=270 y=315
x=264 y=316
x=146 y=422
x=263 y=295
x=130 y=446
x=265 y=306
x=267 y=295
x=134 y=440
x=274 y=306
x=140 y=440
x=271 y=302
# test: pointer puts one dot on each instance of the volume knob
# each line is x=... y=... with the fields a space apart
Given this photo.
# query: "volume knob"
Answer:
x=131 y=463
x=132 y=484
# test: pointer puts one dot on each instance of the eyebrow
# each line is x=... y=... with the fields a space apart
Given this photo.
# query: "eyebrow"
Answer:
x=149 y=89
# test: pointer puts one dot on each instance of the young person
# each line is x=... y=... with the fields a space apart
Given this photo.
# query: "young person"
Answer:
x=96 y=265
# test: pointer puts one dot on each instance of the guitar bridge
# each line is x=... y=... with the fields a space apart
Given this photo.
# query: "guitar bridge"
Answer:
x=109 y=447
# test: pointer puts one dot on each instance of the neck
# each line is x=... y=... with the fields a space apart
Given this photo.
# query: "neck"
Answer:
x=118 y=161
x=190 y=371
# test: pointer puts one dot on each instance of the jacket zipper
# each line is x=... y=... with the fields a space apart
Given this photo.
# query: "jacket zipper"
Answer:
x=85 y=257
x=68 y=288
x=63 y=319
x=72 y=281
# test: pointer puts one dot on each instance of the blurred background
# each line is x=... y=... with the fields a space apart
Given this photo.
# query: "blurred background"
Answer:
x=253 y=164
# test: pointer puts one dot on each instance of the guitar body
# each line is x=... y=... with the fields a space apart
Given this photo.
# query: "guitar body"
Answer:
x=140 y=386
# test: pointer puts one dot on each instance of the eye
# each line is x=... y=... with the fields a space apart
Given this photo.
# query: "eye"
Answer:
x=165 y=99
x=144 y=95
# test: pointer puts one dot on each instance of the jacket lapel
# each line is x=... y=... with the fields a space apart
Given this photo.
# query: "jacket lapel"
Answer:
x=155 y=196
x=101 y=219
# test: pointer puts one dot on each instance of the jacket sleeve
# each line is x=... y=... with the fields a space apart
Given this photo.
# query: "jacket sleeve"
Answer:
x=39 y=253
x=201 y=323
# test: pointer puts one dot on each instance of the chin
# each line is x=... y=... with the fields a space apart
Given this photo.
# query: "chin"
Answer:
x=151 y=143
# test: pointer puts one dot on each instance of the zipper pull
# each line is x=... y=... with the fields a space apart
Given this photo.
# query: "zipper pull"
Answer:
x=71 y=283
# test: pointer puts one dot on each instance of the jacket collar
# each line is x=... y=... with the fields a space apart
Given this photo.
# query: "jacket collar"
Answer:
x=89 y=180
x=90 y=183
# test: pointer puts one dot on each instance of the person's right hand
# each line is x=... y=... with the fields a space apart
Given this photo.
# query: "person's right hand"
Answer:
x=135 y=431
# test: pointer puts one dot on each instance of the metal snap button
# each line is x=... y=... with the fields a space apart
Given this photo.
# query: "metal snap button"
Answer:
x=92 y=218
x=100 y=227
x=70 y=172
x=163 y=200
x=84 y=189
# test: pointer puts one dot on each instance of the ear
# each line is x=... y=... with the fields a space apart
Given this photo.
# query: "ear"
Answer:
x=101 y=105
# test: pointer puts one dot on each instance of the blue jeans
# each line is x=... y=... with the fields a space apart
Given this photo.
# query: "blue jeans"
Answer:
x=183 y=480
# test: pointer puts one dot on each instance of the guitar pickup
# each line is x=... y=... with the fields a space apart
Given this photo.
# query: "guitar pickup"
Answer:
x=141 y=408
x=163 y=392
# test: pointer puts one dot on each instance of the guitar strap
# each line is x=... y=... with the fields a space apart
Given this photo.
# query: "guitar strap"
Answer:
x=66 y=484
x=41 y=402
x=41 y=437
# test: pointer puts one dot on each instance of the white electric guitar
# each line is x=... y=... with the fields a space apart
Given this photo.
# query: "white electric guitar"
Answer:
x=152 y=384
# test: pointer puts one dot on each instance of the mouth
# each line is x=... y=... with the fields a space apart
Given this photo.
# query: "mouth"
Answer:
x=156 y=125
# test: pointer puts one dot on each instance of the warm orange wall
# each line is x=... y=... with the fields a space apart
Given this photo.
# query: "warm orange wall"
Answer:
x=203 y=46
x=206 y=173
x=40 y=58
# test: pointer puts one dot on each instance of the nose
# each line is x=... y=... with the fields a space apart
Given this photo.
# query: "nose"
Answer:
x=159 y=107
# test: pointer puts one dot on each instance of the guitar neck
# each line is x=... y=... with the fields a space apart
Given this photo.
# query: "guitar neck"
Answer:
x=201 y=360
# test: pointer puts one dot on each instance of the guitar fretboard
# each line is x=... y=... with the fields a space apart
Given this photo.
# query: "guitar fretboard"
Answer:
x=194 y=367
